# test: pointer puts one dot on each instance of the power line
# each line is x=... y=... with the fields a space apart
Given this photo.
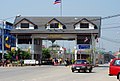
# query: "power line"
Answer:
x=110 y=40
x=103 y=18
x=110 y=24
x=107 y=17
x=111 y=27
x=117 y=15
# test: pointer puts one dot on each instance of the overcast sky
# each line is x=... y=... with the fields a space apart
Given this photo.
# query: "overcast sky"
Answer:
x=110 y=37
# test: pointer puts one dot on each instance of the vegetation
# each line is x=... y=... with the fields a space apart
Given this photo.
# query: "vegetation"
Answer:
x=19 y=54
x=89 y=60
x=45 y=53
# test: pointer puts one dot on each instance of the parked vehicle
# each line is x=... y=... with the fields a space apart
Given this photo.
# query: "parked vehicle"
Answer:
x=114 y=69
x=81 y=65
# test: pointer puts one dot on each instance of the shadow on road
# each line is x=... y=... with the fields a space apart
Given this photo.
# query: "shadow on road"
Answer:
x=103 y=65
x=83 y=72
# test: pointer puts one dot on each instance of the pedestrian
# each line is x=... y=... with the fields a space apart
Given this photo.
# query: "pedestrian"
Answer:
x=21 y=62
x=3 y=62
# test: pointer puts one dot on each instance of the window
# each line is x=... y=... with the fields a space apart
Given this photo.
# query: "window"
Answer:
x=24 y=25
x=84 y=25
x=117 y=62
x=7 y=32
x=25 y=41
x=54 y=25
x=80 y=61
x=86 y=39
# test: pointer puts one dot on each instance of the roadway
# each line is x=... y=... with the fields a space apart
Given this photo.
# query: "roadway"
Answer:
x=53 y=73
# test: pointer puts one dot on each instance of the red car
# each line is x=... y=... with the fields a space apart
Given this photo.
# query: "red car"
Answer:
x=114 y=69
x=81 y=65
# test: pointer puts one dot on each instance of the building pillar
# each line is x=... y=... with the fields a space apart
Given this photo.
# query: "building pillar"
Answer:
x=32 y=48
x=40 y=52
x=16 y=42
x=75 y=54
x=75 y=48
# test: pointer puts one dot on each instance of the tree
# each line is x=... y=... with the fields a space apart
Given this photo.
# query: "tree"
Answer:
x=45 y=53
x=17 y=55
x=9 y=55
x=89 y=60
x=25 y=55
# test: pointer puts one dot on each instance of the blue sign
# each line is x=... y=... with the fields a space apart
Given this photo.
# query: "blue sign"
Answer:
x=83 y=46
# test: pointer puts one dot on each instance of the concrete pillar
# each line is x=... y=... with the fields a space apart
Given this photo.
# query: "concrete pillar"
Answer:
x=16 y=42
x=40 y=52
x=75 y=54
x=75 y=48
x=32 y=48
x=93 y=56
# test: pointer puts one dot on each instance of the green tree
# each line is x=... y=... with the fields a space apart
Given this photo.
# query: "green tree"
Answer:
x=89 y=60
x=11 y=55
x=25 y=55
x=45 y=53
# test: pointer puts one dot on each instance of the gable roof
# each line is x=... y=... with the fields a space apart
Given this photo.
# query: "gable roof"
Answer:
x=55 y=20
x=85 y=20
x=67 y=21
x=25 y=20
x=64 y=27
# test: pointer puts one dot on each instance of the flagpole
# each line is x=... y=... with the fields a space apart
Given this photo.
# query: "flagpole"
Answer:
x=61 y=9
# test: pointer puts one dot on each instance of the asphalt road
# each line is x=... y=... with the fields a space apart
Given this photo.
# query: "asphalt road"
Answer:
x=52 y=73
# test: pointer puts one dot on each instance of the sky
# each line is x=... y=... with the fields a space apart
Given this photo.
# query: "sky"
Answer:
x=110 y=30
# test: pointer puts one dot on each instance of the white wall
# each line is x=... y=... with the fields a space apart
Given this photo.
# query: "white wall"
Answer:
x=77 y=26
x=18 y=26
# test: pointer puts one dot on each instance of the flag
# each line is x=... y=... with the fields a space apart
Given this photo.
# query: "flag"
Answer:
x=6 y=38
x=7 y=45
x=86 y=39
x=57 y=1
x=60 y=26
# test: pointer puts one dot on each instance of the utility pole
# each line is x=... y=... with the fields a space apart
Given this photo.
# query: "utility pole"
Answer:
x=2 y=40
x=93 y=56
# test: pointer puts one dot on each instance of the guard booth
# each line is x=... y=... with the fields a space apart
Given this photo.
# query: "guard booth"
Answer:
x=30 y=31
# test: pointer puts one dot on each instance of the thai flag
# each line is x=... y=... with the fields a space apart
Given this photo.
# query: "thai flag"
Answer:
x=57 y=1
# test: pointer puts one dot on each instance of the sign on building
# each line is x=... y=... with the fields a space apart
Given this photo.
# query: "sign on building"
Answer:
x=83 y=46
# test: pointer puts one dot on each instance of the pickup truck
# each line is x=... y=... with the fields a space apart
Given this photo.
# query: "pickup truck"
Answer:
x=114 y=68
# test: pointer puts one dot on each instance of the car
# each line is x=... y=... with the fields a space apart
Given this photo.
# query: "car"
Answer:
x=114 y=68
x=81 y=65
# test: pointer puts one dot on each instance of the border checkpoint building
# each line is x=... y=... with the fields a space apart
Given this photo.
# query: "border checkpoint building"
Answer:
x=32 y=30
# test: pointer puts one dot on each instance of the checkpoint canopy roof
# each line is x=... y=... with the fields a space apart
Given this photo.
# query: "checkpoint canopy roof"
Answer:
x=68 y=22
